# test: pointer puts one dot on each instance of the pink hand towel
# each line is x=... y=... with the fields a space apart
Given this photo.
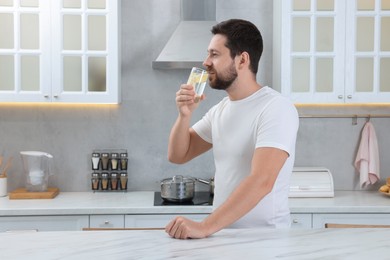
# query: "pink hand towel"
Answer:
x=367 y=157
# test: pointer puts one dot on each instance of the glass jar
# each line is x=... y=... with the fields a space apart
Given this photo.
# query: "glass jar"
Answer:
x=114 y=182
x=95 y=181
x=105 y=181
x=95 y=161
x=114 y=161
x=105 y=159
x=124 y=161
x=123 y=180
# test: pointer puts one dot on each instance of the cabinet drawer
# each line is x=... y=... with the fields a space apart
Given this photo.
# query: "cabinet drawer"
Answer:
x=156 y=221
x=107 y=221
x=43 y=223
x=319 y=220
x=301 y=220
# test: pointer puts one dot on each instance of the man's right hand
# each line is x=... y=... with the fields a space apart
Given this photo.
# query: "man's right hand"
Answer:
x=185 y=100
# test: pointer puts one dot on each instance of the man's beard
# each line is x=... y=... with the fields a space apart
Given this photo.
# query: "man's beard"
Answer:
x=226 y=79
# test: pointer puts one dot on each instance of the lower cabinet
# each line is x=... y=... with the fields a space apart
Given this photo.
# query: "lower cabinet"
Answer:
x=303 y=220
x=78 y=222
x=137 y=221
x=156 y=221
x=319 y=220
x=43 y=223
x=106 y=221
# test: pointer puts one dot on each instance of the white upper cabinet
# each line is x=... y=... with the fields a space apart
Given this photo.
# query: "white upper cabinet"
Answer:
x=332 y=51
x=64 y=51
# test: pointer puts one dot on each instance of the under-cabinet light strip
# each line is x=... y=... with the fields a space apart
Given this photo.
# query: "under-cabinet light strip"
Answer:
x=347 y=116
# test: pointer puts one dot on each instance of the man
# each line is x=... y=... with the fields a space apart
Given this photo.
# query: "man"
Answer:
x=252 y=132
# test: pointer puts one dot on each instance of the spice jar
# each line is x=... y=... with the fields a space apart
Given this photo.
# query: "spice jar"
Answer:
x=123 y=181
x=105 y=159
x=124 y=161
x=114 y=161
x=114 y=181
x=105 y=181
x=95 y=181
x=95 y=161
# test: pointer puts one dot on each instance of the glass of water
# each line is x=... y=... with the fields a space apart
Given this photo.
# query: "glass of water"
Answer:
x=198 y=79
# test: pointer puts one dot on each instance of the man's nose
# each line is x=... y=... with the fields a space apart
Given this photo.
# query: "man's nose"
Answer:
x=206 y=62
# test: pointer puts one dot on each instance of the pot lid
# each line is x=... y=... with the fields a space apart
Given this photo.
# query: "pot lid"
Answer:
x=178 y=179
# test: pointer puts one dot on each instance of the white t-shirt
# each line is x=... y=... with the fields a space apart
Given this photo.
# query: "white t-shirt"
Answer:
x=236 y=129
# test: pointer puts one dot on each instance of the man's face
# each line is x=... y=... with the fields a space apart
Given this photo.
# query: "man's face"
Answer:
x=219 y=64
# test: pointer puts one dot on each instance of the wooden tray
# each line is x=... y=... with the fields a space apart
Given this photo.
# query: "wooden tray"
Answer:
x=385 y=193
x=22 y=193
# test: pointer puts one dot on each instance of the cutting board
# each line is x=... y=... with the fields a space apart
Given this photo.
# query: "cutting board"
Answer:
x=22 y=193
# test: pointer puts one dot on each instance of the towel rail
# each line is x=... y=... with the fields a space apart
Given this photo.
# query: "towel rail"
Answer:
x=353 y=116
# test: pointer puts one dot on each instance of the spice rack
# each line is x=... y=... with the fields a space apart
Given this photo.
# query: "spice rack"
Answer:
x=109 y=168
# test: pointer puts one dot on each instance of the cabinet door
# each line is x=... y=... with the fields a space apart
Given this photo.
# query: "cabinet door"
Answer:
x=319 y=220
x=368 y=51
x=309 y=61
x=59 y=51
x=43 y=223
x=301 y=220
x=156 y=221
x=24 y=51
x=85 y=51
x=107 y=221
x=330 y=51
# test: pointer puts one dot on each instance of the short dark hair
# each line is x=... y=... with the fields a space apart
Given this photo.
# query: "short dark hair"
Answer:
x=241 y=36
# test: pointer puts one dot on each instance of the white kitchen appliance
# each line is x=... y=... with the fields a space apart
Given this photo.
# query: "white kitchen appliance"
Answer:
x=311 y=182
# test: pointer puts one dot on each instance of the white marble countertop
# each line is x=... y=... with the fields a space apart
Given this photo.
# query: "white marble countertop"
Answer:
x=80 y=203
x=343 y=202
x=141 y=202
x=226 y=244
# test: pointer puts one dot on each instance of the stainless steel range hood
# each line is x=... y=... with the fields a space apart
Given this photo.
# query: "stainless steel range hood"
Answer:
x=187 y=46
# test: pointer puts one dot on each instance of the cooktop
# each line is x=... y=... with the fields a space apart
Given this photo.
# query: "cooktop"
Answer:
x=201 y=198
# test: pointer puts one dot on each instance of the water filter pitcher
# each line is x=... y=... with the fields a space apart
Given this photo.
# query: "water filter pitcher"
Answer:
x=36 y=166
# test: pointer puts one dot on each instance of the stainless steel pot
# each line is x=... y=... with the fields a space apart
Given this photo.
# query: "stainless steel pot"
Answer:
x=178 y=189
x=210 y=183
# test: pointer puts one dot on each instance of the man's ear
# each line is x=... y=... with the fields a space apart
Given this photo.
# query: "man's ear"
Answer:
x=244 y=59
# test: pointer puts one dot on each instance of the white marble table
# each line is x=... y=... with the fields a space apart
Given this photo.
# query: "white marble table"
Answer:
x=227 y=244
